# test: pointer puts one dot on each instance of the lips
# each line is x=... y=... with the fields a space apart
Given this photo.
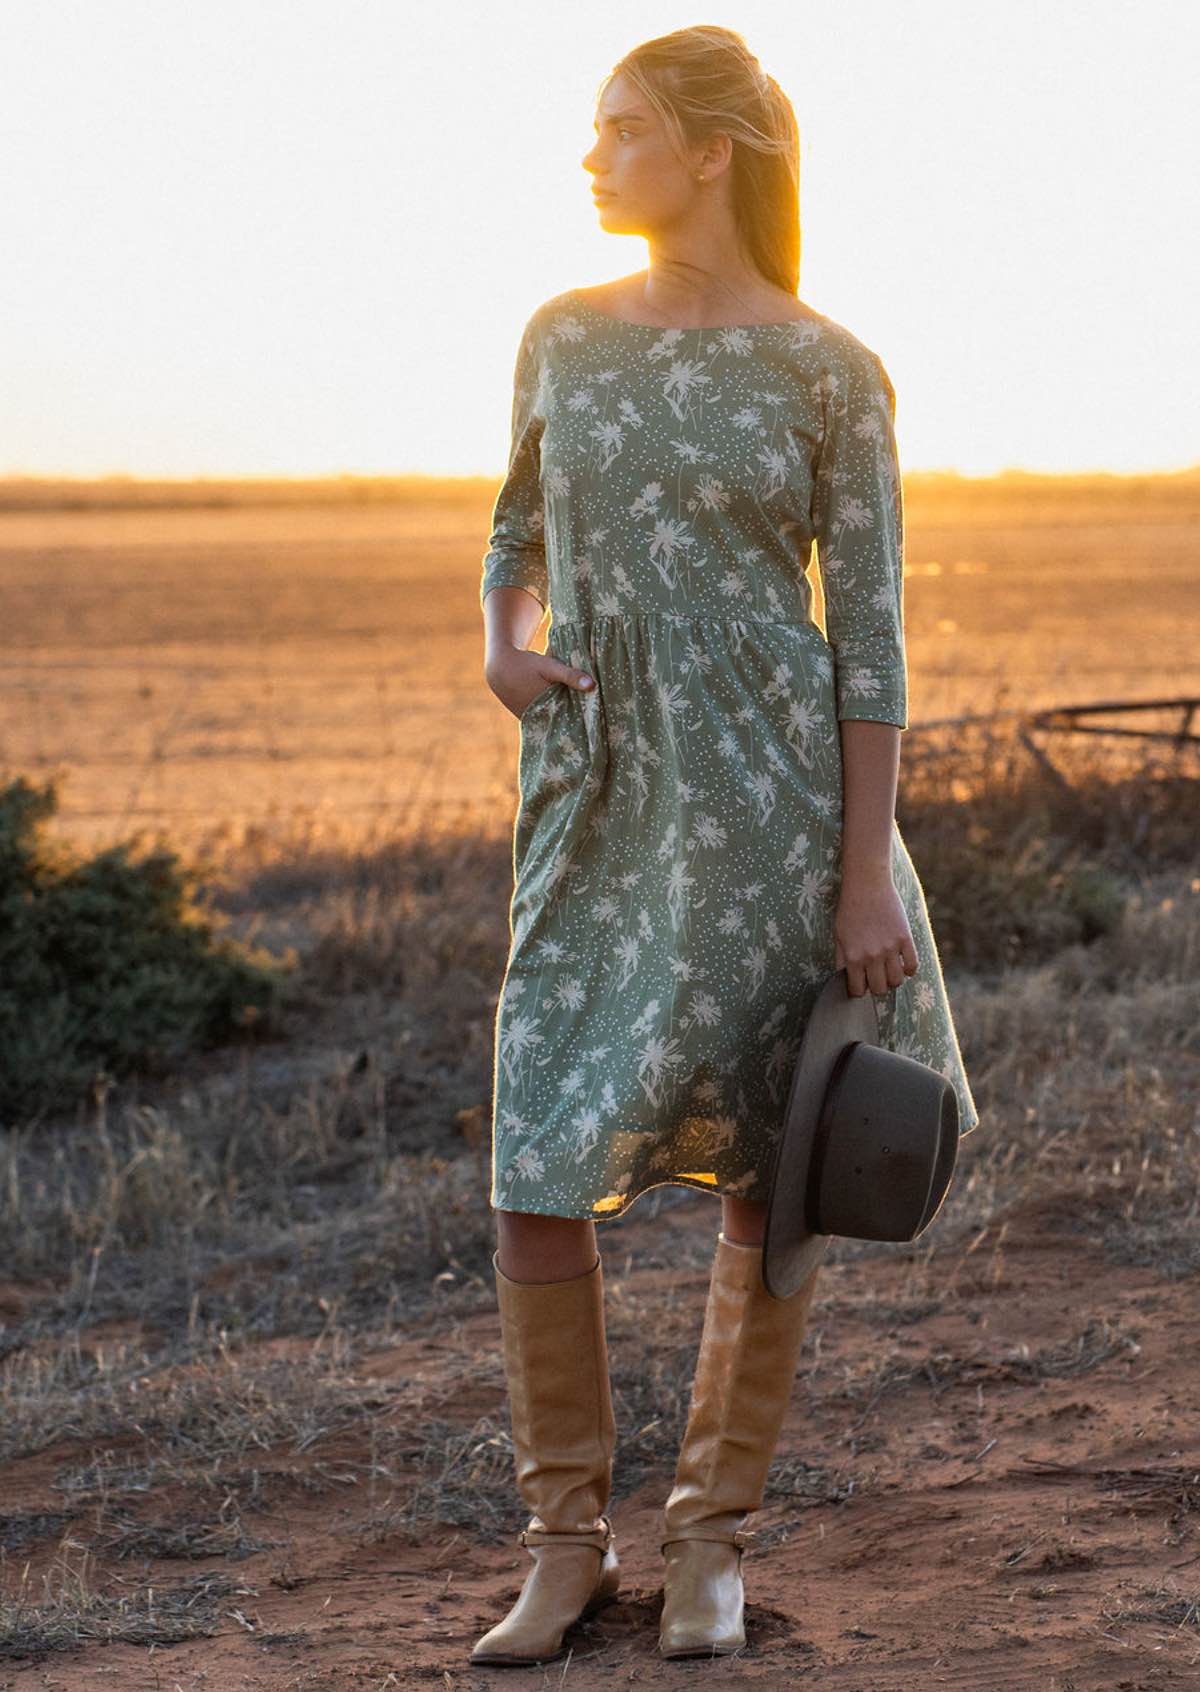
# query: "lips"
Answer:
x=601 y=194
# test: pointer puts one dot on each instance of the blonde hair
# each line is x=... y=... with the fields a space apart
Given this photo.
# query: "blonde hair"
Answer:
x=705 y=78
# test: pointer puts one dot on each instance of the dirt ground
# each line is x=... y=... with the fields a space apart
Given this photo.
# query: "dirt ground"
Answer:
x=1015 y=1504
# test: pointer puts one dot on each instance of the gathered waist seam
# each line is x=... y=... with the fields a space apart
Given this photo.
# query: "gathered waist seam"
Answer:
x=683 y=617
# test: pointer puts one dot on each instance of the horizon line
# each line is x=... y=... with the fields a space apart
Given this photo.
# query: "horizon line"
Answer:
x=946 y=472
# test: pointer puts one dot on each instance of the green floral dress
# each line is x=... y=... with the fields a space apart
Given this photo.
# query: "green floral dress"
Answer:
x=676 y=848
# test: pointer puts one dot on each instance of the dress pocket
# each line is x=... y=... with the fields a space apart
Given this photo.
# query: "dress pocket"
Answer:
x=562 y=776
x=543 y=693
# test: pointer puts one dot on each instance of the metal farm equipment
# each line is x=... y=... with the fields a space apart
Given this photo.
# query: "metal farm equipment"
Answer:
x=1069 y=719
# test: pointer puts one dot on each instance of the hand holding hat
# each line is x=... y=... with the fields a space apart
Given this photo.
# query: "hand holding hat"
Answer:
x=869 y=1141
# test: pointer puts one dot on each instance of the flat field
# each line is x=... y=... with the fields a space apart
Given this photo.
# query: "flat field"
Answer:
x=195 y=652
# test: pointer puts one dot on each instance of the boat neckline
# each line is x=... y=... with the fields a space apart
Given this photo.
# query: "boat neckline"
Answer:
x=678 y=328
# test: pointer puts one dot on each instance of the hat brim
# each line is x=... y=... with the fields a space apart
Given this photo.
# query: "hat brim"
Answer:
x=791 y=1249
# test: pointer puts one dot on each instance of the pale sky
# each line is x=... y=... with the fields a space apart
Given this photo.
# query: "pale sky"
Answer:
x=279 y=237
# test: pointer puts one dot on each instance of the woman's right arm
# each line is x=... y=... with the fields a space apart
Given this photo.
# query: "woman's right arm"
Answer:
x=514 y=590
x=516 y=554
x=511 y=618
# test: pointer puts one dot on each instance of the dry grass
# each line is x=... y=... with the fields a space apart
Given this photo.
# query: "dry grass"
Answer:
x=191 y=1417
x=1077 y=1356
x=1161 y=1604
x=69 y=1608
x=324 y=1185
x=1144 y=1488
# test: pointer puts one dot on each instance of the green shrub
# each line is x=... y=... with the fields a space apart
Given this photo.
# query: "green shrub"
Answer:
x=107 y=964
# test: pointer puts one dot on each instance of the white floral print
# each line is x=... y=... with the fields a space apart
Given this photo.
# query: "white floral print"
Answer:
x=676 y=849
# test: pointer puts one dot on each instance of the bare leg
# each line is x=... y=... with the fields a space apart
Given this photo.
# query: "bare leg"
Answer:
x=545 y=1248
x=743 y=1220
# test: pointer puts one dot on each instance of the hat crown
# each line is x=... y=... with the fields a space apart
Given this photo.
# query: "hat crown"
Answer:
x=883 y=1121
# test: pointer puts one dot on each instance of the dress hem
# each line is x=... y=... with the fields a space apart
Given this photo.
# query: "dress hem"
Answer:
x=670 y=1181
x=612 y=1215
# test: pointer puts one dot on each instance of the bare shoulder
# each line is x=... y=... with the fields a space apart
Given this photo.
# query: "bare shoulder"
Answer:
x=621 y=291
x=782 y=307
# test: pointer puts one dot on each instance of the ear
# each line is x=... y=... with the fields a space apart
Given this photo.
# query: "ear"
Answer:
x=712 y=156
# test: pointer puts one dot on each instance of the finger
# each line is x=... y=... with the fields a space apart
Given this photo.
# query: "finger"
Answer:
x=877 y=975
x=856 y=980
x=582 y=679
x=895 y=968
x=908 y=952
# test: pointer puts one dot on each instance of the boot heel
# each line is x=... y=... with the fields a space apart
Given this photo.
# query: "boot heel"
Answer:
x=609 y=1589
x=600 y=1602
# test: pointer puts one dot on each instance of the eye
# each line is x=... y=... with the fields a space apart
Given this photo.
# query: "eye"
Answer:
x=624 y=132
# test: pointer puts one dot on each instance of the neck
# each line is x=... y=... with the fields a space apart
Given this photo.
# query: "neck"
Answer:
x=708 y=277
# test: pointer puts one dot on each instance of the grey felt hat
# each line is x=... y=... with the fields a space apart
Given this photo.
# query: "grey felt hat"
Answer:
x=869 y=1141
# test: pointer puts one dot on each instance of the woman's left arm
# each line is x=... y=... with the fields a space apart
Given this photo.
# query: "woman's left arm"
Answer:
x=871 y=929
x=858 y=525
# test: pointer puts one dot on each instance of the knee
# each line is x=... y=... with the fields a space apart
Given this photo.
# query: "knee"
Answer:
x=544 y=1248
x=743 y=1221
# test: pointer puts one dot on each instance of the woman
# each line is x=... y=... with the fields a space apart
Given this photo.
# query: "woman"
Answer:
x=707 y=788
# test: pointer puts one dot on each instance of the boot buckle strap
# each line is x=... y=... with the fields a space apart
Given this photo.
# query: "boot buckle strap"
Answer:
x=741 y=1537
x=601 y=1537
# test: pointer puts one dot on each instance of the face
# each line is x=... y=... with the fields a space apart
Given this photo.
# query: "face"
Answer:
x=632 y=163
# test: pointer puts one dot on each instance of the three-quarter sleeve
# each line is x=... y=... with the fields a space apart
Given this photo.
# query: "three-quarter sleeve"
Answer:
x=516 y=555
x=858 y=526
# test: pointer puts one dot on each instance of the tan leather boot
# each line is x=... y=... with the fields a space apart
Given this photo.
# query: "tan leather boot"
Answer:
x=749 y=1349
x=564 y=1431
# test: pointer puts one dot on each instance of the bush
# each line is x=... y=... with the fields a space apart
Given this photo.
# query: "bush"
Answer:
x=107 y=964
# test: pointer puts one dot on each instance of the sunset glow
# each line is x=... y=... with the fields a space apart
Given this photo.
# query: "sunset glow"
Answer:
x=303 y=239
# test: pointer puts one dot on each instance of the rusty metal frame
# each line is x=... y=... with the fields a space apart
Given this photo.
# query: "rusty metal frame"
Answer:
x=1064 y=719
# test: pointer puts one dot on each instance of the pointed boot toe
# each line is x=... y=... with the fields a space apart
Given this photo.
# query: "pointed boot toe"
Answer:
x=566 y=1584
